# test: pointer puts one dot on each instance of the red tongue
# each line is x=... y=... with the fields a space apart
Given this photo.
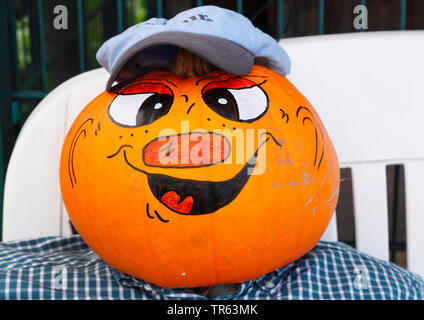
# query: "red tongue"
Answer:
x=172 y=200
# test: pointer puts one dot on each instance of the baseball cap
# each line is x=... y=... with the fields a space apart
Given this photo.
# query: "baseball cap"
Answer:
x=224 y=38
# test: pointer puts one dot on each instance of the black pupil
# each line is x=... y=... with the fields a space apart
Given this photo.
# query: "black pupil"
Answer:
x=154 y=107
x=222 y=102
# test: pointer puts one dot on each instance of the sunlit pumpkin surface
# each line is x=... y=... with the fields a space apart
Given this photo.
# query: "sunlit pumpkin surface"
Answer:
x=187 y=182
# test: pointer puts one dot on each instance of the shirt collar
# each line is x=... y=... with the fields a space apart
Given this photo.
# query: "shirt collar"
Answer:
x=265 y=282
x=156 y=291
x=269 y=281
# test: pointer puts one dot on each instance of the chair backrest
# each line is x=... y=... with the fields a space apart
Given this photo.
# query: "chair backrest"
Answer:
x=33 y=205
x=367 y=88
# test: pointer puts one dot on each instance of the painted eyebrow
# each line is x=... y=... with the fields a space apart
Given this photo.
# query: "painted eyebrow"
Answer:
x=129 y=84
x=237 y=77
x=141 y=83
x=213 y=77
x=142 y=80
x=255 y=76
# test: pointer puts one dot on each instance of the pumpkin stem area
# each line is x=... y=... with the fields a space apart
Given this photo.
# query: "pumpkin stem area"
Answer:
x=187 y=64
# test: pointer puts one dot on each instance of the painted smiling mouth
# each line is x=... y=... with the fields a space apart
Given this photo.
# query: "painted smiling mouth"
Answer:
x=192 y=197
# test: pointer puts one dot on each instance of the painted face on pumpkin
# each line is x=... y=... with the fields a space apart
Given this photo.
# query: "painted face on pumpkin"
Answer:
x=197 y=163
x=140 y=104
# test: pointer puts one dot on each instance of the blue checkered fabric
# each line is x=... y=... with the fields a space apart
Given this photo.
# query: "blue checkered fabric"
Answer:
x=66 y=268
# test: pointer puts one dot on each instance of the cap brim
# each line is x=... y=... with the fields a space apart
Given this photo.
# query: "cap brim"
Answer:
x=222 y=53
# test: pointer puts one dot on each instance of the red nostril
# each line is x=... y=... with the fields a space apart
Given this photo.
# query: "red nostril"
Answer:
x=194 y=149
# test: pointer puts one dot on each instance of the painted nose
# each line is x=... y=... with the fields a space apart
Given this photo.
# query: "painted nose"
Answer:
x=195 y=149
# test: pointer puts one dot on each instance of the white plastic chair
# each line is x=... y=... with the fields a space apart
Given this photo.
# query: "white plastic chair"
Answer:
x=367 y=88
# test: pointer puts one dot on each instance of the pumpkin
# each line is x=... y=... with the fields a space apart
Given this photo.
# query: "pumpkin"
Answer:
x=197 y=181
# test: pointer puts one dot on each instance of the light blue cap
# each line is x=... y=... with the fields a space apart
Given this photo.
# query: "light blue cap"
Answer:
x=222 y=37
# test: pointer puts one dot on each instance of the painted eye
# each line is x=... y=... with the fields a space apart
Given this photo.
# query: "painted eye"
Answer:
x=134 y=110
x=237 y=104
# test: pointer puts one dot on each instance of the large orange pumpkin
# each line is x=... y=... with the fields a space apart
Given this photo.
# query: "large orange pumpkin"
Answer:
x=163 y=179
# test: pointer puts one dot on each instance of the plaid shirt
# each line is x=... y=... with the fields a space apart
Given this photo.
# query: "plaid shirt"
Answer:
x=66 y=268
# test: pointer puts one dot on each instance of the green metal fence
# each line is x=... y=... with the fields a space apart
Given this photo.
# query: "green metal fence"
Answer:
x=29 y=63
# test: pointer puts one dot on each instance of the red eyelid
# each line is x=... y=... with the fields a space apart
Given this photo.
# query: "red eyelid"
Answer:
x=147 y=87
x=232 y=83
